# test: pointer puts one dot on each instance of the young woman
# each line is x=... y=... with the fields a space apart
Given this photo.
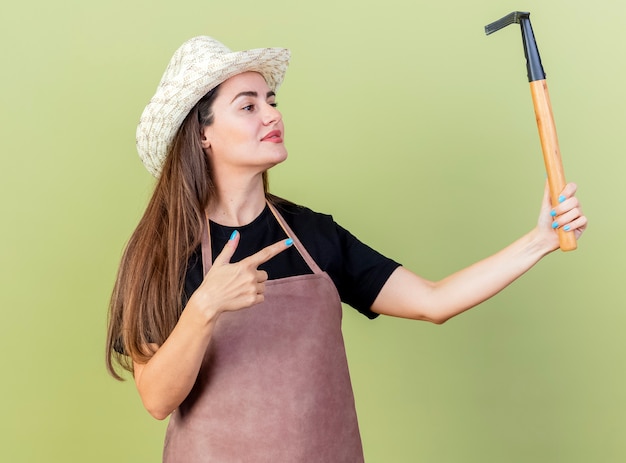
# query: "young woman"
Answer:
x=227 y=305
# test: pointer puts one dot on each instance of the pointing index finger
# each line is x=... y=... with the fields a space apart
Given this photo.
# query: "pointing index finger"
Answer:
x=268 y=252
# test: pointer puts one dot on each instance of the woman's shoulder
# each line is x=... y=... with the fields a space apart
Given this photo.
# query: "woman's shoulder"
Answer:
x=315 y=229
x=298 y=213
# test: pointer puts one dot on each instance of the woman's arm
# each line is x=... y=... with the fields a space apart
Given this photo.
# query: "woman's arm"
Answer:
x=167 y=378
x=408 y=295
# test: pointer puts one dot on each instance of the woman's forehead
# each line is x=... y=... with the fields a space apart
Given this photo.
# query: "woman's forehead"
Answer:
x=245 y=79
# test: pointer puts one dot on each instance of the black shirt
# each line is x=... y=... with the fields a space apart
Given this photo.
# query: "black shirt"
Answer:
x=358 y=271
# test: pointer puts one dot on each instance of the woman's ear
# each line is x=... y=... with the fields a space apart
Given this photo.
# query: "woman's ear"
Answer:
x=206 y=144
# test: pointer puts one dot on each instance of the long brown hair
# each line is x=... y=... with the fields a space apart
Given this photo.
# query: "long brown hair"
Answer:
x=147 y=297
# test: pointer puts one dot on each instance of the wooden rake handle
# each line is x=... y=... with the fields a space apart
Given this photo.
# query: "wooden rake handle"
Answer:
x=551 y=153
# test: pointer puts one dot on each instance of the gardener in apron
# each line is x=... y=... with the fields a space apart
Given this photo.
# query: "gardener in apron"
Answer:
x=227 y=304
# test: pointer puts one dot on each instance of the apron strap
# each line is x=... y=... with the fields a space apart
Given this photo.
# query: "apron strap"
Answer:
x=296 y=242
x=207 y=260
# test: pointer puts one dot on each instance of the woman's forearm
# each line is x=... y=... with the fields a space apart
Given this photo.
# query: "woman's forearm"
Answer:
x=475 y=284
x=407 y=295
x=167 y=378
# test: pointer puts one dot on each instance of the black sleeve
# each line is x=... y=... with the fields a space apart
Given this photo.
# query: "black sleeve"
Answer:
x=358 y=271
x=363 y=273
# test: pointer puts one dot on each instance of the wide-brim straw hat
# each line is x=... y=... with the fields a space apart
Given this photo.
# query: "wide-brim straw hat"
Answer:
x=198 y=66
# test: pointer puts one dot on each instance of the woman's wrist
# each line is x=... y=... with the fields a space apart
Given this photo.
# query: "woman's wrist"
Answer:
x=202 y=312
x=541 y=243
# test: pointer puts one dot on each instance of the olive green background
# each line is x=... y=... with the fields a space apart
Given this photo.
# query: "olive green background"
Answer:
x=405 y=122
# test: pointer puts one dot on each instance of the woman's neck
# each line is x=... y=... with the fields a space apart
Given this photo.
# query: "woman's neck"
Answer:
x=237 y=203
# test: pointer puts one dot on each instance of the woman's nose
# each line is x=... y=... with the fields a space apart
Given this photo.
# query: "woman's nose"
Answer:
x=271 y=115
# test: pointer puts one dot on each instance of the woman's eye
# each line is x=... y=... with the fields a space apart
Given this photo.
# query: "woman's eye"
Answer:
x=252 y=107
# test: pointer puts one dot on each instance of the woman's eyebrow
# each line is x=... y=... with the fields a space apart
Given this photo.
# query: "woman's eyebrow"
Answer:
x=253 y=94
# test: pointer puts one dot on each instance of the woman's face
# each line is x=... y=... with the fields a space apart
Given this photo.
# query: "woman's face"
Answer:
x=247 y=132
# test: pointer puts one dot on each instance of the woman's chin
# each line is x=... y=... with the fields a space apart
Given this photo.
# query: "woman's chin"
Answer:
x=279 y=157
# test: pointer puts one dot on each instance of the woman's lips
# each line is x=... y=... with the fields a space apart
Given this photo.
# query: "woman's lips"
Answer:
x=273 y=137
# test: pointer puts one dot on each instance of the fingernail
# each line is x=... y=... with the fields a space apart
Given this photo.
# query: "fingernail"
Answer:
x=233 y=235
x=566 y=228
x=288 y=242
x=561 y=198
x=553 y=213
x=555 y=224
